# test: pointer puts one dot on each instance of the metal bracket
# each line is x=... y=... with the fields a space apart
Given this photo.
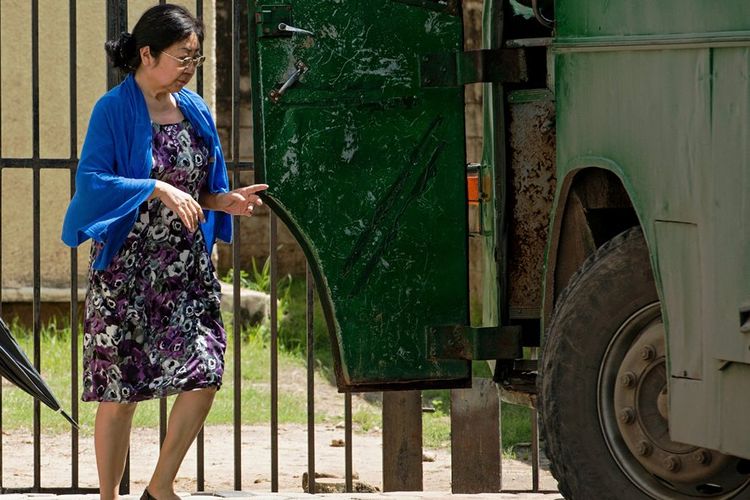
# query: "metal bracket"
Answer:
x=454 y=69
x=270 y=18
x=300 y=69
x=745 y=318
x=470 y=343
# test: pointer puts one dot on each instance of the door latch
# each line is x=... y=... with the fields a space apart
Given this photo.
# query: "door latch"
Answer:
x=268 y=18
x=292 y=29
x=300 y=69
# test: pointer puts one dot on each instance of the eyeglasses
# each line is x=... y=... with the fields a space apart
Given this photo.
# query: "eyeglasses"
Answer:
x=184 y=62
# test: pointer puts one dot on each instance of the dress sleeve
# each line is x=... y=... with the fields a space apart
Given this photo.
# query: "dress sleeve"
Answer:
x=103 y=196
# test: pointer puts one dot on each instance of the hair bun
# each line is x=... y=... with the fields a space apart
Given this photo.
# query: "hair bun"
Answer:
x=121 y=51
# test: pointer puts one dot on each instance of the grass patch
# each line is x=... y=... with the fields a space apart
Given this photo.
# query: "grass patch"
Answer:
x=17 y=406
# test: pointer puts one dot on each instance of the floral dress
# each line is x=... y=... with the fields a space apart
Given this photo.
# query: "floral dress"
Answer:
x=153 y=324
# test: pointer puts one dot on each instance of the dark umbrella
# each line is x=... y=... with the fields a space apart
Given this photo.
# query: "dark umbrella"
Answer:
x=16 y=367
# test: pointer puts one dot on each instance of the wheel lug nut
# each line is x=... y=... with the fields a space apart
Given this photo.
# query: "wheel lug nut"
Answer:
x=644 y=448
x=702 y=457
x=627 y=416
x=648 y=352
x=628 y=379
x=672 y=463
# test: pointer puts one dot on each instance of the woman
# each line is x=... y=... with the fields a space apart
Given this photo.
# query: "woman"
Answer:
x=152 y=192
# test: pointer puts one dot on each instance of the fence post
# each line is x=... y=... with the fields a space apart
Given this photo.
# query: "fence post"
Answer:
x=475 y=438
x=402 y=441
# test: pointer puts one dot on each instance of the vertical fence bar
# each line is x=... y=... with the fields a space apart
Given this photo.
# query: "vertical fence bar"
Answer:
x=73 y=88
x=348 y=473
x=534 y=451
x=310 y=385
x=534 y=437
x=199 y=75
x=117 y=22
x=162 y=429
x=1 y=252
x=162 y=420
x=37 y=234
x=236 y=323
x=274 y=357
x=200 y=447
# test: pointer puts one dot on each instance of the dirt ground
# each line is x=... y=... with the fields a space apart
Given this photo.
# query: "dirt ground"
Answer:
x=17 y=453
x=219 y=468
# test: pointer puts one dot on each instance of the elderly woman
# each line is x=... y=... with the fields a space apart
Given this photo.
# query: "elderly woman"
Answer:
x=152 y=192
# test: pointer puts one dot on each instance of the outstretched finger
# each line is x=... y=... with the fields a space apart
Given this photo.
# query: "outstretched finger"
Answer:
x=252 y=189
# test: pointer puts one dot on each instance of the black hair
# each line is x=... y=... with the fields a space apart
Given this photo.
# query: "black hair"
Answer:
x=158 y=28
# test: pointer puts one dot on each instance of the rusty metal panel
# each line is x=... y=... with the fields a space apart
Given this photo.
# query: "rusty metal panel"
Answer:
x=532 y=177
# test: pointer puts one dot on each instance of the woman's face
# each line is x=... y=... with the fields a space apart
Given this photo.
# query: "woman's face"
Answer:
x=170 y=69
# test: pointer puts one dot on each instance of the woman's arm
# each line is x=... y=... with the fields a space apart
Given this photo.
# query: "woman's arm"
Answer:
x=209 y=201
x=240 y=201
x=103 y=197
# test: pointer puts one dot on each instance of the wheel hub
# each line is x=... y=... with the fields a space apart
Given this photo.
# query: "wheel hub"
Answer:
x=635 y=419
x=641 y=394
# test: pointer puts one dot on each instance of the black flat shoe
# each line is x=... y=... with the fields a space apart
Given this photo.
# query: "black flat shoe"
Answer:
x=147 y=496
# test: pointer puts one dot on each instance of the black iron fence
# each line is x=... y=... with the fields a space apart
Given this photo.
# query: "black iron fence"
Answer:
x=117 y=21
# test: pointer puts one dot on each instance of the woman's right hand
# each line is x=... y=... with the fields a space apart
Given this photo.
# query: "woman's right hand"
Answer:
x=181 y=203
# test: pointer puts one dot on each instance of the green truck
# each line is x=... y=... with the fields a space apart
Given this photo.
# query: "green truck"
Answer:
x=608 y=219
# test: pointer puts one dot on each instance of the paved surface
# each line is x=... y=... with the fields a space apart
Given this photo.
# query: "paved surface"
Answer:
x=426 y=495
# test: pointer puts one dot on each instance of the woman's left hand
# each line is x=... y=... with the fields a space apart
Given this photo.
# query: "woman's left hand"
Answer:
x=241 y=201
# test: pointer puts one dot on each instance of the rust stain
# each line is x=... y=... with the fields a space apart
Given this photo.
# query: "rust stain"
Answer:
x=533 y=183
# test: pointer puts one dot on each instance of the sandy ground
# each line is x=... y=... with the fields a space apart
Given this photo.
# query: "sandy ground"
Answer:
x=255 y=459
x=56 y=460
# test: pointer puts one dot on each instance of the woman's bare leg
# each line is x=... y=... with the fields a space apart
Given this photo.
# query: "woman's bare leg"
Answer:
x=111 y=442
x=185 y=420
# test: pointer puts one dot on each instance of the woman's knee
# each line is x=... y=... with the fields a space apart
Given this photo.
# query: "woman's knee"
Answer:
x=201 y=399
x=117 y=410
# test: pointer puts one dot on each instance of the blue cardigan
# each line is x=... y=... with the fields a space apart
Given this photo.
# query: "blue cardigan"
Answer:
x=113 y=176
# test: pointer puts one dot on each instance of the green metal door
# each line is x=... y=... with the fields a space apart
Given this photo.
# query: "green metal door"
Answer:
x=366 y=168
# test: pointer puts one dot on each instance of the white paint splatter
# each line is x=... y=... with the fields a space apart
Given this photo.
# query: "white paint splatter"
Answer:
x=432 y=17
x=291 y=163
x=350 y=141
x=330 y=31
x=388 y=67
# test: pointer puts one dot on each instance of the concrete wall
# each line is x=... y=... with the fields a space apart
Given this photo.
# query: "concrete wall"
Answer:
x=16 y=115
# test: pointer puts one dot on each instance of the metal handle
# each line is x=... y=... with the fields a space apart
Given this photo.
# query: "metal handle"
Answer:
x=301 y=69
x=292 y=29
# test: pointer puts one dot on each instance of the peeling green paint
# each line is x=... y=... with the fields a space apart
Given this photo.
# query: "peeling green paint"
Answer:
x=368 y=171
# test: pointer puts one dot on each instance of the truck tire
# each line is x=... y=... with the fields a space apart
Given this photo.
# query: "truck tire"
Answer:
x=605 y=342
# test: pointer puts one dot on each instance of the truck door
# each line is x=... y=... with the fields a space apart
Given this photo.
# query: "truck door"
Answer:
x=365 y=159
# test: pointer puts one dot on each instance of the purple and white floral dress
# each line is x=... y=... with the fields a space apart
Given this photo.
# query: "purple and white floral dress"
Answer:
x=153 y=320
